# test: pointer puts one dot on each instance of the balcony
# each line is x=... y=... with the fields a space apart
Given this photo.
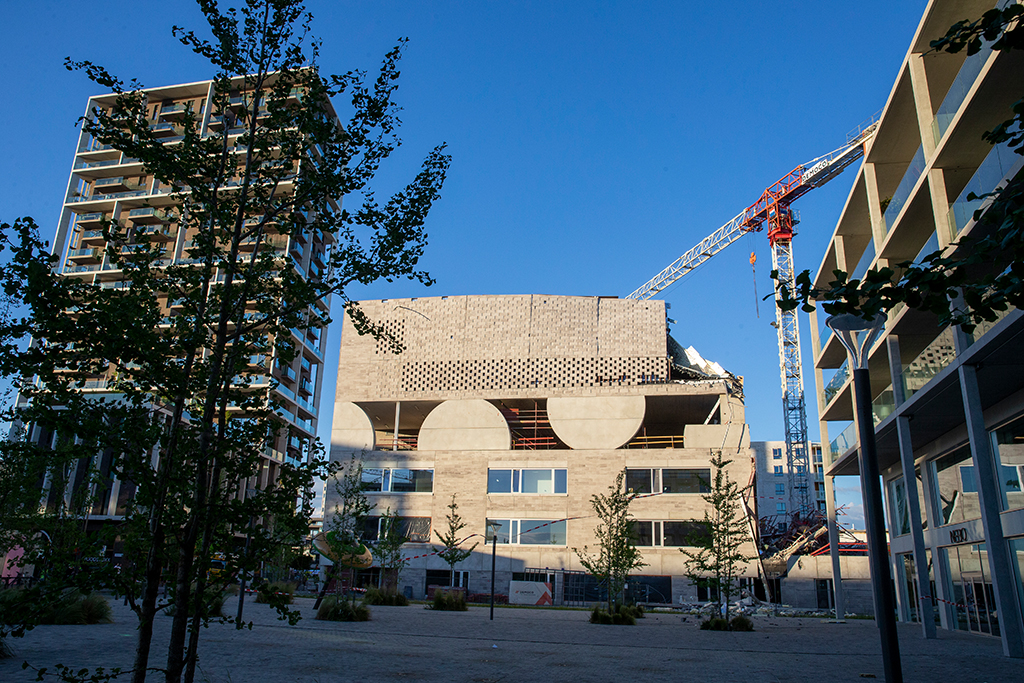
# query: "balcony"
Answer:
x=957 y=92
x=157 y=233
x=164 y=129
x=116 y=184
x=846 y=440
x=95 y=219
x=174 y=112
x=1001 y=163
x=902 y=193
x=837 y=382
x=306 y=387
x=82 y=165
x=92 y=237
x=929 y=363
x=883 y=405
x=80 y=256
x=150 y=215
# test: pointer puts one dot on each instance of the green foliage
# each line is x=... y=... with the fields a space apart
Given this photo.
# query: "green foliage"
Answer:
x=717 y=557
x=984 y=274
x=449 y=601
x=388 y=550
x=212 y=603
x=336 y=608
x=376 y=596
x=351 y=509
x=623 y=615
x=236 y=300
x=451 y=552
x=283 y=590
x=741 y=623
x=714 y=624
x=616 y=554
x=70 y=607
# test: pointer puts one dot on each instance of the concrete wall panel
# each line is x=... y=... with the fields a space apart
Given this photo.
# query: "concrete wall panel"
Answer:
x=465 y=425
x=596 y=422
x=352 y=429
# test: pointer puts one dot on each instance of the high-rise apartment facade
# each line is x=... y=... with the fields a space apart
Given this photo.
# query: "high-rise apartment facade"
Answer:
x=523 y=407
x=106 y=185
x=948 y=406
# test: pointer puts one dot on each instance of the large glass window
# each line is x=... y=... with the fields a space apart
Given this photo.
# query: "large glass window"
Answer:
x=414 y=529
x=393 y=480
x=668 y=480
x=1009 y=449
x=955 y=503
x=542 y=481
x=683 y=534
x=527 y=531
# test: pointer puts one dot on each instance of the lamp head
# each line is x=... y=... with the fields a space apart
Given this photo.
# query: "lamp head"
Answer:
x=847 y=325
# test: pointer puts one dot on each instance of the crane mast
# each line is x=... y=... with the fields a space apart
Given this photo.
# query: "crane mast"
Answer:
x=773 y=209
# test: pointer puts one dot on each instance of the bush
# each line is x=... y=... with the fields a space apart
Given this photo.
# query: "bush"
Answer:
x=5 y=649
x=375 y=596
x=449 y=601
x=74 y=608
x=284 y=589
x=741 y=623
x=335 y=608
x=714 y=624
x=624 y=615
x=213 y=600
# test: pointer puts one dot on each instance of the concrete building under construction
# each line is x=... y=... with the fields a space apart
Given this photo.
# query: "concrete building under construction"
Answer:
x=523 y=407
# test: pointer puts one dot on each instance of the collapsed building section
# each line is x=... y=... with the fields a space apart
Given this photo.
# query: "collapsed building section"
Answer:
x=524 y=407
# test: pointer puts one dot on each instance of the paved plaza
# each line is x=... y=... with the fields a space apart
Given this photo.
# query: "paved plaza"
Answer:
x=415 y=644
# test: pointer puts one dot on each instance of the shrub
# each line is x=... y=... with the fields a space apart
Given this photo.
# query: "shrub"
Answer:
x=623 y=616
x=213 y=600
x=284 y=589
x=714 y=624
x=5 y=649
x=96 y=609
x=741 y=623
x=449 y=601
x=73 y=608
x=335 y=608
x=375 y=596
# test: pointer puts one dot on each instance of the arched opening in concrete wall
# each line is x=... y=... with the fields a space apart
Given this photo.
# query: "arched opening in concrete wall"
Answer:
x=666 y=417
x=396 y=424
x=528 y=423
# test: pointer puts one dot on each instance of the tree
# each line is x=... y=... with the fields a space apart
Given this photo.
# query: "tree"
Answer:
x=388 y=550
x=718 y=558
x=616 y=554
x=191 y=347
x=348 y=519
x=984 y=275
x=451 y=552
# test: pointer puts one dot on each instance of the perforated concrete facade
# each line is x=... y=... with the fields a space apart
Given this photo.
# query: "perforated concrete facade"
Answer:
x=578 y=387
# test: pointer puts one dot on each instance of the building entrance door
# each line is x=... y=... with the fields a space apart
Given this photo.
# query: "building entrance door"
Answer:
x=972 y=589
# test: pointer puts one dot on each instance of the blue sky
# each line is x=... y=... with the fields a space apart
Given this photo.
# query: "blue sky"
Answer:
x=592 y=142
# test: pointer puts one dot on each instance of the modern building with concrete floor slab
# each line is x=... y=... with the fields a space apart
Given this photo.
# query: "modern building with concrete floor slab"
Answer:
x=523 y=407
x=948 y=406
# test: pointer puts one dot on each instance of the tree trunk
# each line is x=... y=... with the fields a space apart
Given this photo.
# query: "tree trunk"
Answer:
x=154 y=565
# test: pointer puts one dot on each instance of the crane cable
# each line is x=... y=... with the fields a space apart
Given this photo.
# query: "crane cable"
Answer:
x=753 y=270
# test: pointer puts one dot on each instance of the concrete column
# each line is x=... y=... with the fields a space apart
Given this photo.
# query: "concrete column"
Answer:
x=989 y=499
x=910 y=484
x=398 y=414
x=947 y=619
x=833 y=546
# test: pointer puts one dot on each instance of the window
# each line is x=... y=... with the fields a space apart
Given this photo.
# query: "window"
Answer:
x=528 y=531
x=780 y=489
x=801 y=469
x=541 y=481
x=415 y=529
x=394 y=480
x=778 y=470
x=668 y=533
x=780 y=507
x=668 y=480
x=776 y=454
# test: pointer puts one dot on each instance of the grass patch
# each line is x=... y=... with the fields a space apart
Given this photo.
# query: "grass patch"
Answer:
x=282 y=589
x=375 y=596
x=624 y=615
x=335 y=608
x=449 y=601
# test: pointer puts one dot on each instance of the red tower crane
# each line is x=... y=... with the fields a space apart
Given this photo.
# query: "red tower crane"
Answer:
x=773 y=209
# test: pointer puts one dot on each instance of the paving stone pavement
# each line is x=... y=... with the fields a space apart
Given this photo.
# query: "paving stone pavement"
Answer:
x=415 y=644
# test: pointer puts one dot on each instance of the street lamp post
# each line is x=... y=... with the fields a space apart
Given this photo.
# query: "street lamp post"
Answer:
x=846 y=327
x=494 y=554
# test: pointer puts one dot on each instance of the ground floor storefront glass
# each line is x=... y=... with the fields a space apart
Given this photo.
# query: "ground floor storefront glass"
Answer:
x=974 y=606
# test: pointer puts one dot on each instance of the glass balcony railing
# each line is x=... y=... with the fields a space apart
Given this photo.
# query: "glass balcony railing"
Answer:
x=865 y=261
x=929 y=363
x=957 y=92
x=1001 y=162
x=837 y=382
x=883 y=405
x=902 y=193
x=846 y=440
x=930 y=247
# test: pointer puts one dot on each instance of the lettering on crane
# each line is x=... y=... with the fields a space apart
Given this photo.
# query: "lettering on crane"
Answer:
x=814 y=170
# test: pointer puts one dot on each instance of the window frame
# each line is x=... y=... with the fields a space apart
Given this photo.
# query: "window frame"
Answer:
x=387 y=480
x=516 y=481
x=519 y=526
